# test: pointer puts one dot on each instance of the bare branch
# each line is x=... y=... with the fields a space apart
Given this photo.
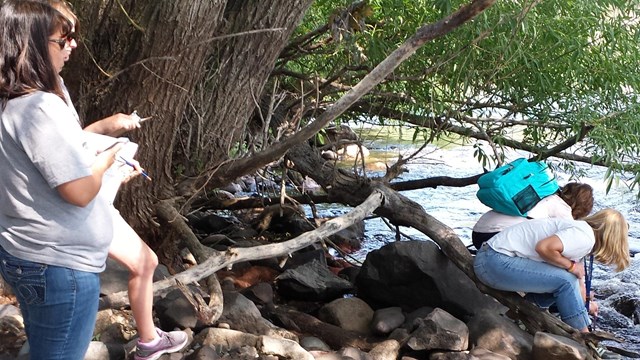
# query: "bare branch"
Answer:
x=424 y=34
x=217 y=260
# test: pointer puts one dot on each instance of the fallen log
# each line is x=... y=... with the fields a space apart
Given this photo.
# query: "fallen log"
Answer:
x=221 y=259
x=350 y=189
x=333 y=335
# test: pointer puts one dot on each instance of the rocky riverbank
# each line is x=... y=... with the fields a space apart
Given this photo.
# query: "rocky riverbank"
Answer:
x=406 y=302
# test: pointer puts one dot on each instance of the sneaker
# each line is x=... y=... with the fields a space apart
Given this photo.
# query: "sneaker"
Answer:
x=170 y=342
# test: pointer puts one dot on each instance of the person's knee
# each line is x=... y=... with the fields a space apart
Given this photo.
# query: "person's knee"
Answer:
x=569 y=282
x=145 y=264
x=150 y=261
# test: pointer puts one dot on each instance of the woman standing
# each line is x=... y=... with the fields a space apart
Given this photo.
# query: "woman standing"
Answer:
x=55 y=229
x=542 y=258
x=127 y=247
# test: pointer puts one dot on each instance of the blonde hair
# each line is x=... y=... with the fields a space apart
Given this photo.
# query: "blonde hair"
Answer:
x=611 y=231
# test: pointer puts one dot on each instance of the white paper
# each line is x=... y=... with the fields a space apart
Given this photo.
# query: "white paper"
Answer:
x=114 y=176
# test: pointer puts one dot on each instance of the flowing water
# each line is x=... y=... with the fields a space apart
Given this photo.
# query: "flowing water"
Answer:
x=459 y=209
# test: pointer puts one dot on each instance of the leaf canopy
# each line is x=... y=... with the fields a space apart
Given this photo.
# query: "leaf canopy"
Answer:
x=527 y=74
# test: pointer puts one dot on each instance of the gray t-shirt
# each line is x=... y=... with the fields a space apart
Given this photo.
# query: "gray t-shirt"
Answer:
x=41 y=148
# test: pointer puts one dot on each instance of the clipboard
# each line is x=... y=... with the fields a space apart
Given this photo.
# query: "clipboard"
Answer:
x=113 y=177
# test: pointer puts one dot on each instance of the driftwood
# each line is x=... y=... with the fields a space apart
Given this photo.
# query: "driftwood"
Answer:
x=221 y=259
x=333 y=335
x=384 y=202
x=206 y=314
x=227 y=172
x=343 y=187
x=402 y=211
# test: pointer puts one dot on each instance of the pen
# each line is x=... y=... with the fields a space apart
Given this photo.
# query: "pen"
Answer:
x=138 y=118
x=144 y=173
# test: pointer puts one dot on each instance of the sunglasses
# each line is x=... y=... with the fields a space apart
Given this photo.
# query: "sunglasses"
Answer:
x=63 y=41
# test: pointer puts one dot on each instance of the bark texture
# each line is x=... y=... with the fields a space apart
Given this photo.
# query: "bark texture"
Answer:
x=196 y=66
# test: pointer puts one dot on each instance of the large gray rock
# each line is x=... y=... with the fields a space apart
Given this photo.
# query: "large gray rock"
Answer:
x=243 y=315
x=413 y=274
x=484 y=354
x=312 y=282
x=311 y=343
x=550 y=346
x=260 y=293
x=97 y=351
x=439 y=331
x=500 y=335
x=386 y=350
x=349 y=239
x=355 y=354
x=244 y=345
x=175 y=310
x=283 y=348
x=451 y=355
x=386 y=320
x=204 y=353
x=351 y=314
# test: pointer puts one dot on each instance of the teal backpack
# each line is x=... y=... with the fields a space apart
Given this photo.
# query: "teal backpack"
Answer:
x=515 y=188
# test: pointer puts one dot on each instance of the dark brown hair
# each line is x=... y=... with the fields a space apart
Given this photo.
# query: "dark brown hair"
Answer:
x=66 y=9
x=579 y=197
x=25 y=64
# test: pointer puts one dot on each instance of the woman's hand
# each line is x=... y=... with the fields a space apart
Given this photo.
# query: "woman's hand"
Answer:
x=577 y=269
x=593 y=308
x=80 y=192
x=131 y=169
x=115 y=125
x=550 y=250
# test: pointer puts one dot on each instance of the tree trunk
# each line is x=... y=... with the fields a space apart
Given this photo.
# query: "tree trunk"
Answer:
x=255 y=33
x=146 y=59
x=152 y=56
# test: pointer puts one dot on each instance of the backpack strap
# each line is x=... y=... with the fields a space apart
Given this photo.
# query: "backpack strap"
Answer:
x=588 y=274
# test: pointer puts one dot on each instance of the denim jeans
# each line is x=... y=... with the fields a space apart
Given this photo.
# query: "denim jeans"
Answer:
x=59 y=306
x=544 y=283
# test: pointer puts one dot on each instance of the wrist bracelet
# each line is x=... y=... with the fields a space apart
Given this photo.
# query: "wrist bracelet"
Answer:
x=573 y=266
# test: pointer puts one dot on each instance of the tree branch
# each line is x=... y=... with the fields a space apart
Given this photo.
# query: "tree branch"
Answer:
x=231 y=170
x=220 y=259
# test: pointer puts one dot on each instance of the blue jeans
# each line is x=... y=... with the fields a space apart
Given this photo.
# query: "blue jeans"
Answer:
x=544 y=283
x=59 y=306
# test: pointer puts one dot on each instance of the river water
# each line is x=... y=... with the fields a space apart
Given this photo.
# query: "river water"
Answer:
x=618 y=294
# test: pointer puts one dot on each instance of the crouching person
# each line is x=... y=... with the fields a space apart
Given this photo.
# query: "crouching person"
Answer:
x=542 y=258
